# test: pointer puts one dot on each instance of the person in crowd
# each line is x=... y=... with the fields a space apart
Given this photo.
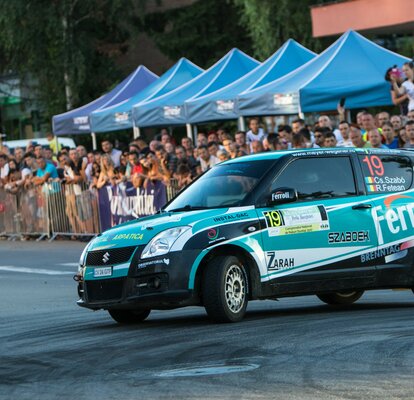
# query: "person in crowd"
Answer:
x=356 y=137
x=213 y=148
x=4 y=169
x=183 y=176
x=48 y=155
x=396 y=122
x=330 y=139
x=402 y=138
x=375 y=139
x=169 y=148
x=222 y=155
x=191 y=161
x=18 y=157
x=38 y=151
x=410 y=115
x=78 y=163
x=202 y=139
x=344 y=129
x=297 y=125
x=53 y=143
x=107 y=174
x=168 y=161
x=325 y=122
x=299 y=141
x=307 y=134
x=257 y=147
x=409 y=131
x=400 y=100
x=391 y=139
x=407 y=87
x=206 y=160
x=240 y=139
x=212 y=137
x=319 y=136
x=108 y=148
x=368 y=124
x=14 y=181
x=44 y=172
x=255 y=133
x=285 y=132
x=382 y=118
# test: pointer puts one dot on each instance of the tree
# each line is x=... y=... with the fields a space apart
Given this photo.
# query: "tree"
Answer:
x=270 y=23
x=203 y=32
x=68 y=46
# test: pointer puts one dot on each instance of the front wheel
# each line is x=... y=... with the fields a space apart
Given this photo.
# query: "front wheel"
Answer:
x=129 y=316
x=341 y=298
x=225 y=289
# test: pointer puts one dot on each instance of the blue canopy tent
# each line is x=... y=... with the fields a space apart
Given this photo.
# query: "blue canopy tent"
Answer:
x=352 y=68
x=169 y=108
x=77 y=121
x=119 y=116
x=221 y=104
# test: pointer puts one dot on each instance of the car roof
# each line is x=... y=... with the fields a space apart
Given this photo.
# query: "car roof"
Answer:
x=274 y=155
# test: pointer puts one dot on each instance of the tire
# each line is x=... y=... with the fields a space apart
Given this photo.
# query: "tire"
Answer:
x=341 y=298
x=225 y=289
x=128 y=317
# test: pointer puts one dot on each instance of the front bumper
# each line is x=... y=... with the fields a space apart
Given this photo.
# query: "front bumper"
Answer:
x=159 y=283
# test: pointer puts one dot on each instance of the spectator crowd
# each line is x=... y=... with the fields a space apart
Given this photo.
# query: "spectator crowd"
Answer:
x=169 y=161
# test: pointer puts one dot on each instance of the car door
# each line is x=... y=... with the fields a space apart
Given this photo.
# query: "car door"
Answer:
x=317 y=241
x=388 y=179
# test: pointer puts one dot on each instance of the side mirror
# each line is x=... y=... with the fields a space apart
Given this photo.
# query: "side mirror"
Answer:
x=283 y=195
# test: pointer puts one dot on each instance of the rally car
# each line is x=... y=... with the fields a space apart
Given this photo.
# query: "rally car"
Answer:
x=333 y=223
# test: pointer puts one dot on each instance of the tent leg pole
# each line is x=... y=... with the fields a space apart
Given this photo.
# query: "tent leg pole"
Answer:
x=94 y=145
x=137 y=132
x=189 y=131
x=241 y=124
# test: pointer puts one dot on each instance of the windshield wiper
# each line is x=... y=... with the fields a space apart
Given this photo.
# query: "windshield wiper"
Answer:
x=187 y=208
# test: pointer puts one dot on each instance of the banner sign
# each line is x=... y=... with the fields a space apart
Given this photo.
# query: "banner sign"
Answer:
x=123 y=202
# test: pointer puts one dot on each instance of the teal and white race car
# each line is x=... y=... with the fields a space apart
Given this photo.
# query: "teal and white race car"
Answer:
x=327 y=222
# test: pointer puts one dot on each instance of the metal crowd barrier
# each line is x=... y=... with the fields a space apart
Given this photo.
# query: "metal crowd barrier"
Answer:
x=54 y=209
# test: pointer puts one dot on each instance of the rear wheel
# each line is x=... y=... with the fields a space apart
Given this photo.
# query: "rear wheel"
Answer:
x=225 y=289
x=129 y=316
x=341 y=298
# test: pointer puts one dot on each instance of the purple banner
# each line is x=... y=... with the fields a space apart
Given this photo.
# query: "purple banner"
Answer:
x=123 y=202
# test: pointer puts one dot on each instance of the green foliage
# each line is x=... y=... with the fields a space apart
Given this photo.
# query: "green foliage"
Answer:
x=47 y=39
x=270 y=23
x=203 y=32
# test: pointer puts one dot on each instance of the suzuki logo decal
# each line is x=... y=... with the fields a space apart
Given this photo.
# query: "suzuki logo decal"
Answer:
x=105 y=257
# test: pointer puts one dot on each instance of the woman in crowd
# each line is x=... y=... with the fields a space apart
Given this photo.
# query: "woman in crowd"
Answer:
x=107 y=175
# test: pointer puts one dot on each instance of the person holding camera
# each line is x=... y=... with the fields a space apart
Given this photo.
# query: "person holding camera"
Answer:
x=406 y=87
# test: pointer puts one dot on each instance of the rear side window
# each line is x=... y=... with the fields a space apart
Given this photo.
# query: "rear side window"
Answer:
x=386 y=173
x=319 y=177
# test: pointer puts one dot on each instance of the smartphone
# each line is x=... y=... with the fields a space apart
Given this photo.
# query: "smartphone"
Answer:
x=342 y=101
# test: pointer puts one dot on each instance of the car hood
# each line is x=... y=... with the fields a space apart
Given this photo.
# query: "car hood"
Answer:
x=141 y=231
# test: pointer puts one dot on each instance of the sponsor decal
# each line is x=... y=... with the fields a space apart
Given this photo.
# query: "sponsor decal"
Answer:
x=281 y=99
x=172 y=111
x=348 y=237
x=213 y=234
x=81 y=120
x=280 y=195
x=121 y=117
x=225 y=105
x=278 y=264
x=165 y=261
x=296 y=220
x=386 y=251
x=385 y=184
x=323 y=153
x=396 y=220
x=230 y=217
x=129 y=236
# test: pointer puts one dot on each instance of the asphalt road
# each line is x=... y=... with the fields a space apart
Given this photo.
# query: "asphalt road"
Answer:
x=294 y=348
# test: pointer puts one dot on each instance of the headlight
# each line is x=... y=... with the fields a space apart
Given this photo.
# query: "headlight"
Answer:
x=162 y=243
x=83 y=255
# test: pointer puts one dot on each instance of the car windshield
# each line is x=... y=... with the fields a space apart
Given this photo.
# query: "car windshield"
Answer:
x=225 y=185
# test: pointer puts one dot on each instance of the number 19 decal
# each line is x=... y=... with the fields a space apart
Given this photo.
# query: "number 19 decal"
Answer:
x=374 y=165
x=273 y=218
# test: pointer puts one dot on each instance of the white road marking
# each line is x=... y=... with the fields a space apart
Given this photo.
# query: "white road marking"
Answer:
x=11 y=268
x=73 y=264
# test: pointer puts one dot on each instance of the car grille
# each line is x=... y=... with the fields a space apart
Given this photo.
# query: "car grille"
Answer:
x=104 y=289
x=112 y=256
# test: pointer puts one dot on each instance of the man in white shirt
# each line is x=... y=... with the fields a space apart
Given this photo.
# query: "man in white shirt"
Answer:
x=325 y=122
x=255 y=133
x=206 y=160
x=115 y=154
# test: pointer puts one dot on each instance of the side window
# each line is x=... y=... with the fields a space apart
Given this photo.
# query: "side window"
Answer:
x=386 y=173
x=318 y=177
